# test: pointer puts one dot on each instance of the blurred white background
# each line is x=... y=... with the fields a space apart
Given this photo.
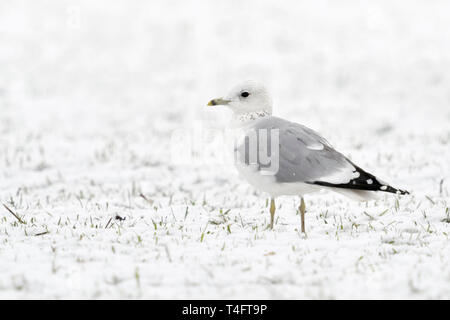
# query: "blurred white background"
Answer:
x=166 y=58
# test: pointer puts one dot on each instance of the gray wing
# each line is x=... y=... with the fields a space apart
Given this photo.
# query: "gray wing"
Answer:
x=305 y=156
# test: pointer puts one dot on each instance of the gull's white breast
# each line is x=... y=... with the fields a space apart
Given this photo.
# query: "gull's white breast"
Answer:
x=268 y=183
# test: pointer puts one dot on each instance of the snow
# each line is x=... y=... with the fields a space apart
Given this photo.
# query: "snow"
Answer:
x=91 y=94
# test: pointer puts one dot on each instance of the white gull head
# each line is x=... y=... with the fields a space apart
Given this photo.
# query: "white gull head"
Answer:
x=247 y=99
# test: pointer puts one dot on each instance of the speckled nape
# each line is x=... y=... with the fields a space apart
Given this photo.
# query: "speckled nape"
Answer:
x=248 y=116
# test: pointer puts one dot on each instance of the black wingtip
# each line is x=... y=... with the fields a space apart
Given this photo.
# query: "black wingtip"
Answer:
x=387 y=188
x=402 y=192
x=364 y=181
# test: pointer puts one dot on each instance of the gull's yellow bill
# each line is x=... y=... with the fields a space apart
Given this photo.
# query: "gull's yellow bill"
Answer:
x=217 y=102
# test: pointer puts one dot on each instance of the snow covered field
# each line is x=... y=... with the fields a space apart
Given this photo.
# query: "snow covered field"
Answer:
x=92 y=92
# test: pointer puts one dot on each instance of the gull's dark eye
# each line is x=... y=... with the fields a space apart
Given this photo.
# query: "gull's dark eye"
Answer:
x=245 y=94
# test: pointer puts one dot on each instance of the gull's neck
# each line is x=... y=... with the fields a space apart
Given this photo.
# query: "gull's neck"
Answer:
x=249 y=116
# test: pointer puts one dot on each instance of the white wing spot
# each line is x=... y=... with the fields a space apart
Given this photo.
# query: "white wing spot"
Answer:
x=369 y=181
x=383 y=188
x=315 y=146
x=355 y=175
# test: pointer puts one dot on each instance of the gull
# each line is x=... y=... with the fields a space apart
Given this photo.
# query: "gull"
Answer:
x=281 y=157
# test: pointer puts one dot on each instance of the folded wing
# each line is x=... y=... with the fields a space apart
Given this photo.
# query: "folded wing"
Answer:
x=305 y=156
